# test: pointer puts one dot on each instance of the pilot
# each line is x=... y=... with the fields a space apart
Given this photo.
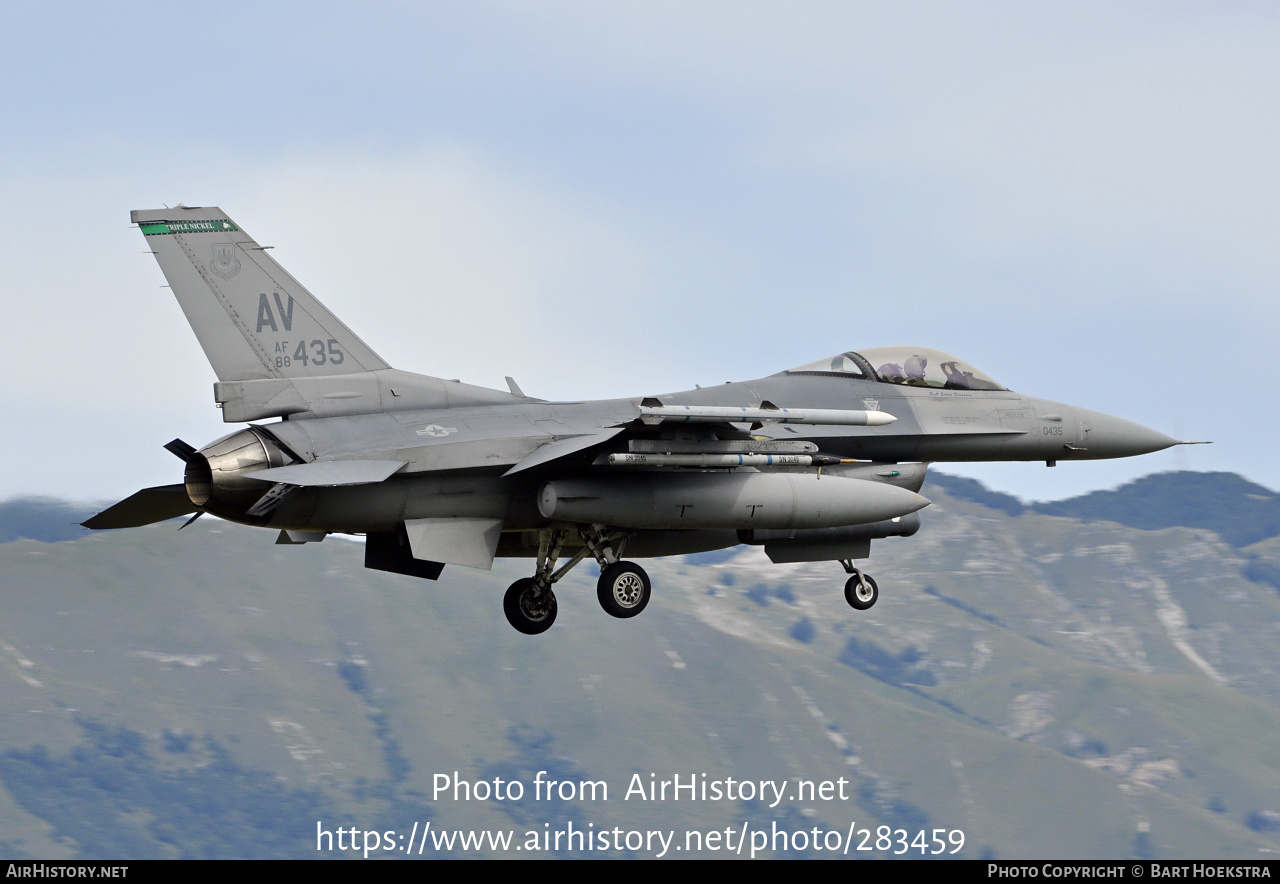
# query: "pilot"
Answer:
x=891 y=372
x=915 y=366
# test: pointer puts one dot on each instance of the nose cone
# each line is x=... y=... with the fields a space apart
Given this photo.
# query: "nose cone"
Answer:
x=1107 y=436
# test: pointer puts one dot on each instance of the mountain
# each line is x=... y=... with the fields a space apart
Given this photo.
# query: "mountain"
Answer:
x=43 y=518
x=1239 y=511
x=1049 y=686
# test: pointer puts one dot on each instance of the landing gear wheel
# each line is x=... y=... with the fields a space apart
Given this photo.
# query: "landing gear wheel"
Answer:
x=623 y=589
x=861 y=592
x=529 y=611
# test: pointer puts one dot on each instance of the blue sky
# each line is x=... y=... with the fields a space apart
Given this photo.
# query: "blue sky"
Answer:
x=600 y=199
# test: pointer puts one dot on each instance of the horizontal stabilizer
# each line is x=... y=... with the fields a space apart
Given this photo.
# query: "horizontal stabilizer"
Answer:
x=331 y=472
x=181 y=450
x=147 y=506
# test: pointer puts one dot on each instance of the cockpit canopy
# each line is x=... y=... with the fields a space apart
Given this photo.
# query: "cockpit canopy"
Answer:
x=908 y=366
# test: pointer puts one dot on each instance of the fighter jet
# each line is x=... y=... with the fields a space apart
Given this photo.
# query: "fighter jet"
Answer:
x=811 y=463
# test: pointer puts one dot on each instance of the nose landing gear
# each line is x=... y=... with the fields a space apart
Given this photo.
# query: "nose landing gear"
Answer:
x=860 y=590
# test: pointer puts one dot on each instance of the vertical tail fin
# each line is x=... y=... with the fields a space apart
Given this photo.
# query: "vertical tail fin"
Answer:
x=253 y=320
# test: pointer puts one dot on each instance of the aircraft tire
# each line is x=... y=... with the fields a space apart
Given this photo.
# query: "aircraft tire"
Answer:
x=856 y=596
x=623 y=589
x=517 y=604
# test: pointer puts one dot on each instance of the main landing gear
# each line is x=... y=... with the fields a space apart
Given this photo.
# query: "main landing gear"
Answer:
x=623 y=588
x=860 y=591
x=529 y=609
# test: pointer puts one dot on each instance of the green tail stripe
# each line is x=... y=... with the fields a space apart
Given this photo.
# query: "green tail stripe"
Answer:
x=156 y=228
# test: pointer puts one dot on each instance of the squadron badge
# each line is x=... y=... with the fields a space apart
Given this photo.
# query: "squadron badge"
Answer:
x=225 y=262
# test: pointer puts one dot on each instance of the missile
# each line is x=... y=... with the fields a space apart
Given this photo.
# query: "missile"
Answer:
x=707 y=461
x=765 y=413
x=758 y=445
